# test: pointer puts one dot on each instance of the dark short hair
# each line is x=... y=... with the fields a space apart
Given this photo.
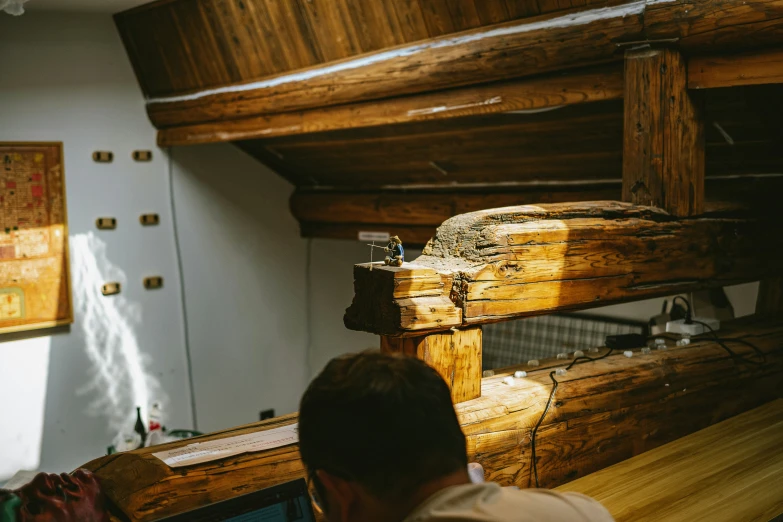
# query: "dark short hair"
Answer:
x=384 y=421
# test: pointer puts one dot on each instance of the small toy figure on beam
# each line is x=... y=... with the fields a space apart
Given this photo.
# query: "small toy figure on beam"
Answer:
x=396 y=253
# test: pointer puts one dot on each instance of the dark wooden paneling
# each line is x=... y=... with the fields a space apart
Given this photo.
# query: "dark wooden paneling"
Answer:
x=414 y=215
x=431 y=208
x=576 y=143
x=184 y=45
x=503 y=147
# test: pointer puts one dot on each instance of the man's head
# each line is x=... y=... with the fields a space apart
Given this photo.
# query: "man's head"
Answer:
x=374 y=429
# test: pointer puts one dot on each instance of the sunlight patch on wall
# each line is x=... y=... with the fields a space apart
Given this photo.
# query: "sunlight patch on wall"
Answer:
x=120 y=379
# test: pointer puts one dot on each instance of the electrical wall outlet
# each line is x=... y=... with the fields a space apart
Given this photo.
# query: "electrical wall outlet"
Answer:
x=679 y=326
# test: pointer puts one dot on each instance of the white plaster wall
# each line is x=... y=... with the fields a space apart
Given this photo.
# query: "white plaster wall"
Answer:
x=244 y=267
x=65 y=77
x=331 y=276
x=331 y=292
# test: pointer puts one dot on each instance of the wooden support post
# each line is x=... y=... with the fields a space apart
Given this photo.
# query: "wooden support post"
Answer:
x=663 y=149
x=455 y=354
x=770 y=298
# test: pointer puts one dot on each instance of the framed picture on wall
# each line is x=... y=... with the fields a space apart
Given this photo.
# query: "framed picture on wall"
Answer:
x=35 y=284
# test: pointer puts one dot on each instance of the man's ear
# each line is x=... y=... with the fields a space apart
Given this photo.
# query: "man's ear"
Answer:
x=341 y=494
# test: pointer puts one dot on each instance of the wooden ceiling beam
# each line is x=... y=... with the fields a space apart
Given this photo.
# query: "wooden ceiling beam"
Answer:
x=415 y=235
x=430 y=208
x=415 y=215
x=756 y=68
x=529 y=260
x=499 y=52
x=528 y=94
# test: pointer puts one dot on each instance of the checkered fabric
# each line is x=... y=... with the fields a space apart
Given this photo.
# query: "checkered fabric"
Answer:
x=516 y=342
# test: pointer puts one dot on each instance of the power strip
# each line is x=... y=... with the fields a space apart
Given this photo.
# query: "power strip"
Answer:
x=679 y=326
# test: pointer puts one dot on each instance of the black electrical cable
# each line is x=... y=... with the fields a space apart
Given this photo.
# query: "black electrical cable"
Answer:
x=688 y=320
x=687 y=307
x=549 y=404
x=722 y=342
x=183 y=300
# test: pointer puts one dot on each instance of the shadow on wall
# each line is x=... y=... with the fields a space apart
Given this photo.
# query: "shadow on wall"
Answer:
x=114 y=372
x=119 y=377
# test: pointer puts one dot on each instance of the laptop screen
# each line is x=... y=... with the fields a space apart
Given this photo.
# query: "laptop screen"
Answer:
x=289 y=502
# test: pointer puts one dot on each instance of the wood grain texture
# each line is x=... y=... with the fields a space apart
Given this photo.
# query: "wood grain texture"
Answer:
x=663 y=146
x=510 y=49
x=528 y=260
x=711 y=27
x=415 y=215
x=687 y=479
x=603 y=83
x=760 y=67
x=456 y=355
x=475 y=150
x=215 y=42
x=413 y=298
x=145 y=489
x=429 y=208
x=518 y=152
x=604 y=413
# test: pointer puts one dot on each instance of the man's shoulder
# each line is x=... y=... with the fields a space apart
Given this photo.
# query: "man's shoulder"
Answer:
x=490 y=502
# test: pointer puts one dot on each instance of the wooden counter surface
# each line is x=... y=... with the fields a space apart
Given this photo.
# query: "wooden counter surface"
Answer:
x=731 y=471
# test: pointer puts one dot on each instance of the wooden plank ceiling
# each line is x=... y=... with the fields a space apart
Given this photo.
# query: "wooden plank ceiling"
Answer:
x=403 y=164
x=198 y=44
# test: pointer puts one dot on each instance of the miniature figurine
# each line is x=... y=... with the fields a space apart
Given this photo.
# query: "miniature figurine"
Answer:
x=396 y=253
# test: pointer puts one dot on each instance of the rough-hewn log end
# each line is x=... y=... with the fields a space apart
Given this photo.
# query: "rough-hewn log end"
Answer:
x=395 y=300
x=511 y=262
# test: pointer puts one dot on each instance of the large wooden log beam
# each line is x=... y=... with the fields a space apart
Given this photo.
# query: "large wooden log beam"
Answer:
x=604 y=412
x=500 y=52
x=529 y=94
x=757 y=68
x=431 y=208
x=415 y=215
x=529 y=260
x=663 y=142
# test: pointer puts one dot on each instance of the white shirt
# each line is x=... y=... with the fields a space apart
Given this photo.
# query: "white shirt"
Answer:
x=489 y=502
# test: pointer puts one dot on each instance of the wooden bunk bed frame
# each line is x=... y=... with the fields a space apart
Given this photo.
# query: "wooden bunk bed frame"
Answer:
x=652 y=204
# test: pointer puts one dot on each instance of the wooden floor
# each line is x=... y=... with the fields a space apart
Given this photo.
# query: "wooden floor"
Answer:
x=732 y=472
